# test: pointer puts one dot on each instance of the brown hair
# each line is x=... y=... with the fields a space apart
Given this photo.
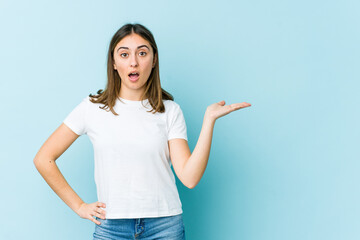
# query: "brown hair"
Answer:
x=153 y=90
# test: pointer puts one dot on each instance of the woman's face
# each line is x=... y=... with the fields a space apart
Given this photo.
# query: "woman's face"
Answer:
x=133 y=54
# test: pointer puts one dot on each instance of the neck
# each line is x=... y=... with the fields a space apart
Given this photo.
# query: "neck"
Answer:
x=132 y=97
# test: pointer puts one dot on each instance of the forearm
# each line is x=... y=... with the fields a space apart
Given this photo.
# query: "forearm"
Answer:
x=197 y=162
x=52 y=175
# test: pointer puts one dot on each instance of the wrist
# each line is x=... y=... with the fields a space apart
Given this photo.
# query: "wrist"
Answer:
x=77 y=209
x=209 y=119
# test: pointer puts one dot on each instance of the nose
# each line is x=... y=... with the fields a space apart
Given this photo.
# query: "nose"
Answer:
x=133 y=61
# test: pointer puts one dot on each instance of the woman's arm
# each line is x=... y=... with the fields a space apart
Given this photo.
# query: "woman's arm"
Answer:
x=45 y=159
x=196 y=164
x=191 y=167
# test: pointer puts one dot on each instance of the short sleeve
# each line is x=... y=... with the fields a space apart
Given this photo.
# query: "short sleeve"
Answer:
x=75 y=120
x=177 y=125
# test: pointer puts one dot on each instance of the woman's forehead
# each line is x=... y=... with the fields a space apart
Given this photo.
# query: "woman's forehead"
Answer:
x=133 y=41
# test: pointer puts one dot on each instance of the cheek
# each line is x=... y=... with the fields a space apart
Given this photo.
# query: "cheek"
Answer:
x=121 y=71
x=148 y=65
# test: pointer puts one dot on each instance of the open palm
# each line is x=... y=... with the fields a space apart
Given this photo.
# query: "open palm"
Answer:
x=219 y=109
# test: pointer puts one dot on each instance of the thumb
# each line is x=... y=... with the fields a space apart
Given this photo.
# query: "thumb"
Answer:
x=222 y=102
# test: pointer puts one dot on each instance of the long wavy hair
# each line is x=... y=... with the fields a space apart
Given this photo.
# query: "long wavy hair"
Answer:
x=153 y=90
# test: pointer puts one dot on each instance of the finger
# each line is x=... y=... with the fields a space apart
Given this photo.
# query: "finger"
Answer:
x=233 y=107
x=239 y=105
x=97 y=214
x=101 y=212
x=98 y=208
x=247 y=104
x=94 y=220
x=100 y=204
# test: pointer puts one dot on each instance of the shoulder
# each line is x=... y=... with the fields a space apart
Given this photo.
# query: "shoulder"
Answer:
x=171 y=107
x=171 y=104
x=87 y=101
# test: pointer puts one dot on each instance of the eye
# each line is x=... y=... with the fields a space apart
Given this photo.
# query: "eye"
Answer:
x=143 y=54
x=122 y=54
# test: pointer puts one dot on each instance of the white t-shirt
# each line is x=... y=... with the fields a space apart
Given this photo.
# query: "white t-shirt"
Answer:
x=131 y=154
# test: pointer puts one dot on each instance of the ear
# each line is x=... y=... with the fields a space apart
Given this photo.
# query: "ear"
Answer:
x=114 y=67
x=155 y=59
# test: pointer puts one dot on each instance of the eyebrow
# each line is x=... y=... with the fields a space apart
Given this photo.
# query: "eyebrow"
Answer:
x=137 y=47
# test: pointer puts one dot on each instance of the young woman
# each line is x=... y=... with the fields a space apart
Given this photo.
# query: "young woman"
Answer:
x=138 y=132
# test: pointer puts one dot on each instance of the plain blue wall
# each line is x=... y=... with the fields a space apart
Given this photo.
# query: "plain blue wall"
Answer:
x=285 y=168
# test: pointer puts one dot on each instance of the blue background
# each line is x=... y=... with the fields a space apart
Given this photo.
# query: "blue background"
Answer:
x=285 y=168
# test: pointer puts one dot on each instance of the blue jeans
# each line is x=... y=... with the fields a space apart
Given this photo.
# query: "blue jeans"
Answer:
x=169 y=228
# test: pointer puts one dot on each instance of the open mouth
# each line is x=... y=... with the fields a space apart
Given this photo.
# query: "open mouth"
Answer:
x=134 y=76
